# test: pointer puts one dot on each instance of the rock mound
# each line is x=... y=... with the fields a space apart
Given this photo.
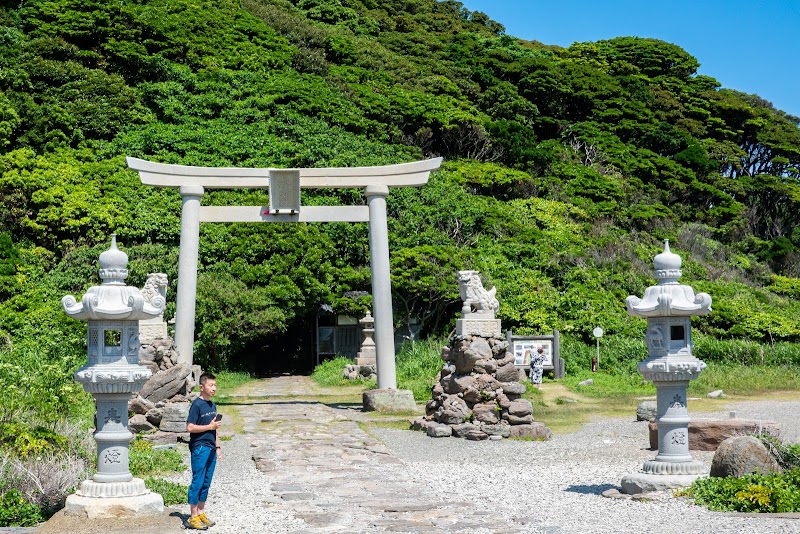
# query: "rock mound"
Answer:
x=477 y=394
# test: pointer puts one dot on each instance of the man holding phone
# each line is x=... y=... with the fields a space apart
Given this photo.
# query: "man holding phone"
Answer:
x=202 y=424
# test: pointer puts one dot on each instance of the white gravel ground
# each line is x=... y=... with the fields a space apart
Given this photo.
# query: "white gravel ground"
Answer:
x=547 y=487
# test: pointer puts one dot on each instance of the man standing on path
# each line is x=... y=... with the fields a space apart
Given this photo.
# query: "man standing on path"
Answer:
x=202 y=424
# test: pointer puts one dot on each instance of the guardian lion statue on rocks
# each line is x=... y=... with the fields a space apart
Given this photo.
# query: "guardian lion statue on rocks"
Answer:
x=476 y=298
x=155 y=288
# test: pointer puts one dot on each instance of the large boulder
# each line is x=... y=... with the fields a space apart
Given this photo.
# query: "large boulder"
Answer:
x=453 y=411
x=507 y=373
x=486 y=413
x=463 y=383
x=520 y=407
x=139 y=423
x=141 y=406
x=173 y=417
x=742 y=455
x=466 y=358
x=707 y=434
x=486 y=366
x=647 y=410
x=165 y=384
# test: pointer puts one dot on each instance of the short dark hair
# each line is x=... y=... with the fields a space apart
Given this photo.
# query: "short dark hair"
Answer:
x=206 y=376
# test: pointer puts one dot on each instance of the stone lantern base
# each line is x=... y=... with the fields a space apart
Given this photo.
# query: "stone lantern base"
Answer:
x=98 y=500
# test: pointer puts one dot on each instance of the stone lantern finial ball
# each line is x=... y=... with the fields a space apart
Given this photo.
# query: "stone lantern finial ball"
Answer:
x=113 y=263
x=667 y=260
x=667 y=265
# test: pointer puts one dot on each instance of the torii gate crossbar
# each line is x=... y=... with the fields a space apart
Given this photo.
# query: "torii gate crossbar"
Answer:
x=376 y=181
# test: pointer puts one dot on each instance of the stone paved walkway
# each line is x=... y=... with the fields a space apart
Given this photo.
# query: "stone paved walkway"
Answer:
x=331 y=473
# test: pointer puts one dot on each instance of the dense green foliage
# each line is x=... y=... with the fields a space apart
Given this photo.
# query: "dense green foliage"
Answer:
x=16 y=511
x=772 y=493
x=565 y=168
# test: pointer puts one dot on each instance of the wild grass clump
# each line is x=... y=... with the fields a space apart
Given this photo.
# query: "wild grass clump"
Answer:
x=330 y=373
x=418 y=362
x=786 y=454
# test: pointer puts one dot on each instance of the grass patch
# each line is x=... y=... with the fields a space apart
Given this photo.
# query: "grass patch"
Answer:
x=607 y=385
x=565 y=411
x=227 y=381
x=171 y=492
x=330 y=373
x=147 y=461
x=737 y=379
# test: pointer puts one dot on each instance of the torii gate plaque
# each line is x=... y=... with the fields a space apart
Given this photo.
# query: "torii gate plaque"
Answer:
x=284 y=185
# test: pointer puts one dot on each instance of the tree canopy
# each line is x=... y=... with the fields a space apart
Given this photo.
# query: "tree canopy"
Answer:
x=565 y=167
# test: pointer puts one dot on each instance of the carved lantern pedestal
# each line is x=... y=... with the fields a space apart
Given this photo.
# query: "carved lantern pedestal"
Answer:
x=112 y=373
x=670 y=365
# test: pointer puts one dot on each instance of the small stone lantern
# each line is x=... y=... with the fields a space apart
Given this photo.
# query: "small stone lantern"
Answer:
x=670 y=365
x=367 y=355
x=111 y=374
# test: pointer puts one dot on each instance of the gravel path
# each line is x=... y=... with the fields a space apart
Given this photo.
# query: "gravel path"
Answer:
x=317 y=470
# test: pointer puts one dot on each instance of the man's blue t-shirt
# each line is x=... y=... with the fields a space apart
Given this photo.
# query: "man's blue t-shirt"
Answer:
x=202 y=412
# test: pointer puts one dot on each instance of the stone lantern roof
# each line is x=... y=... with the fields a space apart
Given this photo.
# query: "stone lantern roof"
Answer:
x=113 y=300
x=668 y=298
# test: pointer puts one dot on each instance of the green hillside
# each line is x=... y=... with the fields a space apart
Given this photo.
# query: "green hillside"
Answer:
x=565 y=168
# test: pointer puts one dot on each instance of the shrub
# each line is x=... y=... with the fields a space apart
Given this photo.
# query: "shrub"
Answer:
x=16 y=511
x=28 y=441
x=773 y=493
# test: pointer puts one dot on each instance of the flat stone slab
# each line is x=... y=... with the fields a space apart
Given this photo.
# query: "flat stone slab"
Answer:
x=707 y=434
x=389 y=401
x=646 y=483
x=170 y=521
x=149 y=504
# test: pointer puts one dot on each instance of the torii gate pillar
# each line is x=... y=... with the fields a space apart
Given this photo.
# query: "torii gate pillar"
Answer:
x=193 y=181
x=187 y=272
x=381 y=285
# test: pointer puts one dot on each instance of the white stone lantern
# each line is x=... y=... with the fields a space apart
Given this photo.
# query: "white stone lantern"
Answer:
x=112 y=373
x=670 y=365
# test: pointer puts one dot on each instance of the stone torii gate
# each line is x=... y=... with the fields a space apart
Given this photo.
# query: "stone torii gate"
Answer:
x=284 y=194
